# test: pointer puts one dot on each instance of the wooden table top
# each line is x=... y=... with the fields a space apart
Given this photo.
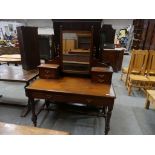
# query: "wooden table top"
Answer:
x=73 y=85
x=151 y=93
x=12 y=56
x=16 y=74
x=12 y=129
x=55 y=66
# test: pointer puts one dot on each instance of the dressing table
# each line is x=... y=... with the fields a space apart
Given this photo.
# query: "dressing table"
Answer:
x=79 y=75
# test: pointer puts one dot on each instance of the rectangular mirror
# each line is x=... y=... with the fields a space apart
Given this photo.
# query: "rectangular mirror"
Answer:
x=76 y=51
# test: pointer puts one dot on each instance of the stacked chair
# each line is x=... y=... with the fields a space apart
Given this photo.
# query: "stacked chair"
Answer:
x=141 y=70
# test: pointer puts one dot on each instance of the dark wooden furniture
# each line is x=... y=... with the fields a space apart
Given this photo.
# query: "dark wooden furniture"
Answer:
x=17 y=74
x=49 y=71
x=144 y=34
x=45 y=46
x=67 y=90
x=113 y=57
x=101 y=74
x=107 y=36
x=13 y=129
x=29 y=48
x=9 y=50
x=76 y=86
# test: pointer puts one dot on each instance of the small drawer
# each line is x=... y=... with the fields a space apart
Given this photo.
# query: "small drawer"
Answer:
x=101 y=76
x=49 y=72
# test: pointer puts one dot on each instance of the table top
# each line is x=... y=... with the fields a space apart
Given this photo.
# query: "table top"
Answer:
x=16 y=74
x=151 y=93
x=13 y=56
x=55 y=66
x=115 y=49
x=13 y=129
x=73 y=85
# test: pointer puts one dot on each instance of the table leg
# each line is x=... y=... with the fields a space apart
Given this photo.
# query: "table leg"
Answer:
x=27 y=109
x=147 y=104
x=107 y=119
x=34 y=116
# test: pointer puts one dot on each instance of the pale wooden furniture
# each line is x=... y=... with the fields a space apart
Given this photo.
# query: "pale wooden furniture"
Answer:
x=138 y=64
x=10 y=58
x=151 y=68
x=150 y=98
x=73 y=90
x=13 y=129
x=17 y=74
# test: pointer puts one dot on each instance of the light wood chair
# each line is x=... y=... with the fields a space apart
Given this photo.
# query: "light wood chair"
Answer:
x=135 y=68
x=138 y=65
x=150 y=98
x=151 y=68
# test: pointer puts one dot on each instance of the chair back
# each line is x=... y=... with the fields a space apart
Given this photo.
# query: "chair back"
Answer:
x=138 y=62
x=151 y=63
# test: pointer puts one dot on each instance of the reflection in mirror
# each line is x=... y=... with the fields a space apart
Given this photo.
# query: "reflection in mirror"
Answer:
x=76 y=51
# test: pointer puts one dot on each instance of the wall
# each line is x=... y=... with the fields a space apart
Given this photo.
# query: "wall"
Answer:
x=45 y=26
x=118 y=23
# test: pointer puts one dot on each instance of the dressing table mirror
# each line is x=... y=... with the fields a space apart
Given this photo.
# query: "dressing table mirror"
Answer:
x=76 y=50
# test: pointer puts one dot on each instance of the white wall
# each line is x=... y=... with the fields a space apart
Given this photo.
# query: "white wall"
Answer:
x=118 y=23
x=45 y=26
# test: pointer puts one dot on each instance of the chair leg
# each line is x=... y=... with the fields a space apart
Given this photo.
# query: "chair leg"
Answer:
x=121 y=76
x=129 y=90
x=147 y=104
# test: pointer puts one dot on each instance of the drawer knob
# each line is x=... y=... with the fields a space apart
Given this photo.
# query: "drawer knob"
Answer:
x=47 y=71
x=48 y=96
x=89 y=100
x=100 y=76
x=101 y=80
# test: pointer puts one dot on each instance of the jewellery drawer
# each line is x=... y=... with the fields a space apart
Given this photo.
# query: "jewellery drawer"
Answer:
x=101 y=75
x=49 y=71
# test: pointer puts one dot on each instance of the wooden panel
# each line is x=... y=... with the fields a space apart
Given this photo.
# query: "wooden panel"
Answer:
x=29 y=49
x=70 y=44
x=13 y=129
x=113 y=58
x=149 y=35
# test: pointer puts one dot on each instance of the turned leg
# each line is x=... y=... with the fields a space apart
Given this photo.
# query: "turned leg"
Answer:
x=147 y=103
x=47 y=104
x=129 y=90
x=27 y=109
x=34 y=116
x=107 y=119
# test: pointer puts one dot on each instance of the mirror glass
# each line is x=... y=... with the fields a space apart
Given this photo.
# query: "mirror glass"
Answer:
x=76 y=51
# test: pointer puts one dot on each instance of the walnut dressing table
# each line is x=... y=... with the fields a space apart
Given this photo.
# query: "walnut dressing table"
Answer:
x=85 y=81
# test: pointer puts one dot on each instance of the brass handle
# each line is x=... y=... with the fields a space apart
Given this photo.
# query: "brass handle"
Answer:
x=101 y=80
x=48 y=96
x=101 y=75
x=89 y=100
x=47 y=71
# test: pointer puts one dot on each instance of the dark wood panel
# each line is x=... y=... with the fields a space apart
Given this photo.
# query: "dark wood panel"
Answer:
x=29 y=49
x=113 y=58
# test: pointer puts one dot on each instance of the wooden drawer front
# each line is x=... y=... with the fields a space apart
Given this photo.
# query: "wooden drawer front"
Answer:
x=68 y=98
x=48 y=73
x=102 y=77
